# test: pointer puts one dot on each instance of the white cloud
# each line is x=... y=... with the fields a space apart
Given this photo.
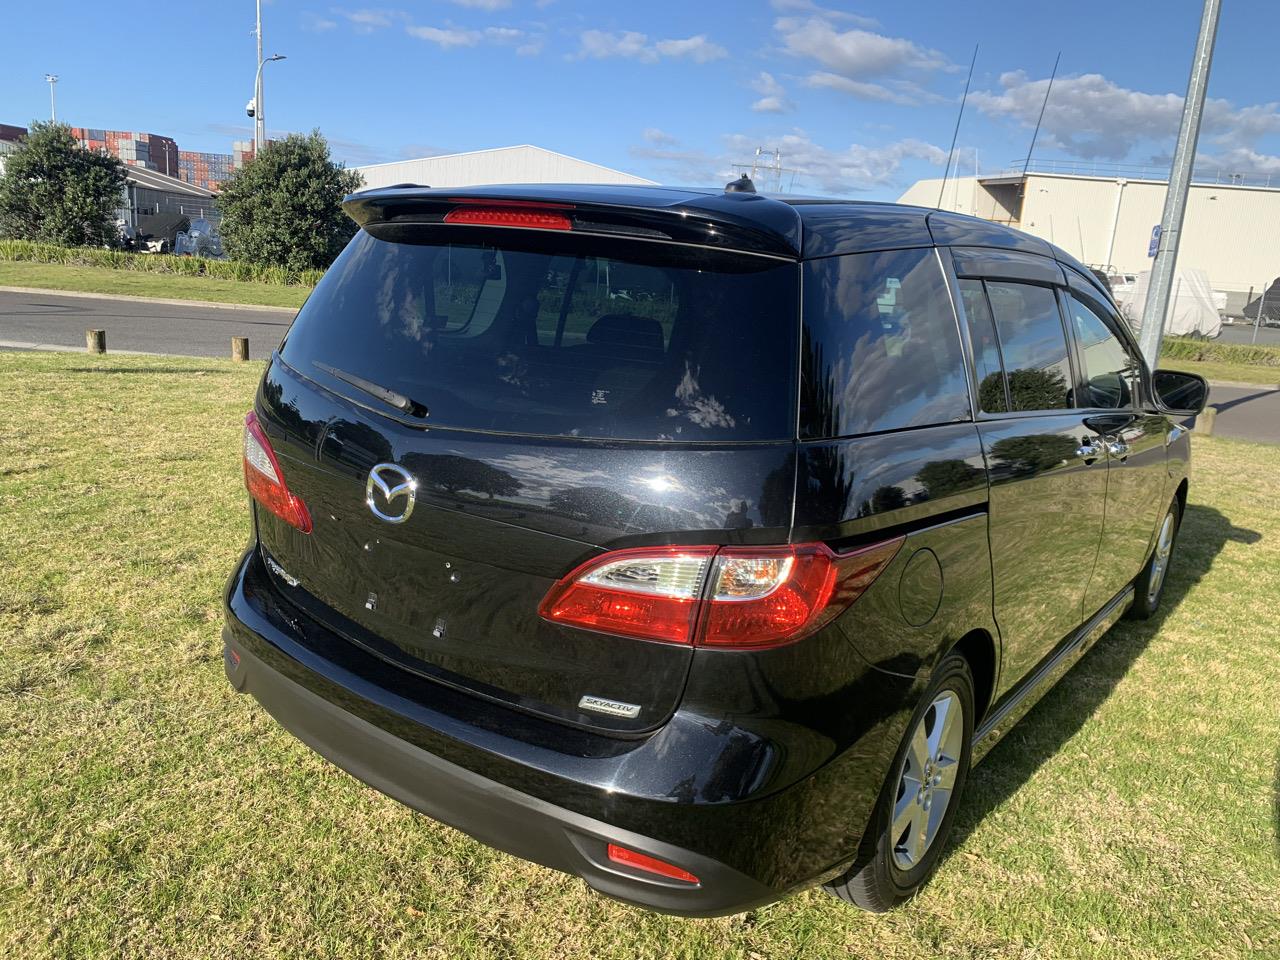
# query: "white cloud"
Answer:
x=808 y=6
x=807 y=165
x=630 y=44
x=774 y=95
x=368 y=20
x=697 y=48
x=317 y=24
x=847 y=170
x=861 y=63
x=1092 y=117
x=447 y=38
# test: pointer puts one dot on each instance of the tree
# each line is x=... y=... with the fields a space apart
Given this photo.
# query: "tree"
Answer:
x=283 y=208
x=55 y=191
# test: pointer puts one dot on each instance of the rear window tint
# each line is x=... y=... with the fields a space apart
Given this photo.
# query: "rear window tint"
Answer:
x=562 y=335
x=881 y=348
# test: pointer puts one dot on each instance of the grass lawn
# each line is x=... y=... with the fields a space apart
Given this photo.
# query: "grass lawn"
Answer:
x=148 y=812
x=1218 y=370
x=134 y=283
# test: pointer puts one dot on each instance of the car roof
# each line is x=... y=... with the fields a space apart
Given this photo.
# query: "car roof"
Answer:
x=805 y=227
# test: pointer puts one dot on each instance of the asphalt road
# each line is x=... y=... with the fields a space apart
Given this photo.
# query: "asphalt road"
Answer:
x=49 y=320
x=43 y=321
x=1242 y=333
x=1248 y=413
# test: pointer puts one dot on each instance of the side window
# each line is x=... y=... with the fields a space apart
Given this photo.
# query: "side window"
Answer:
x=1034 y=346
x=1109 y=369
x=881 y=348
x=992 y=397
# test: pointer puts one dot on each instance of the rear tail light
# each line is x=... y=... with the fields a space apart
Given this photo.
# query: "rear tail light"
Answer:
x=512 y=213
x=642 y=861
x=264 y=479
x=741 y=597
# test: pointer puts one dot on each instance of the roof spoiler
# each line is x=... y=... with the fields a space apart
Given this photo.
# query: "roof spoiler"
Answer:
x=704 y=220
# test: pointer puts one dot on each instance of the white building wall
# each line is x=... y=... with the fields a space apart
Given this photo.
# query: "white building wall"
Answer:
x=1232 y=233
x=522 y=164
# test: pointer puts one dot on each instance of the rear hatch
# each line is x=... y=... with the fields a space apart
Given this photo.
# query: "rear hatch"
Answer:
x=547 y=395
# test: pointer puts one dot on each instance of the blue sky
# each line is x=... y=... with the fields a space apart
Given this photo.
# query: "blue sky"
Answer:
x=860 y=98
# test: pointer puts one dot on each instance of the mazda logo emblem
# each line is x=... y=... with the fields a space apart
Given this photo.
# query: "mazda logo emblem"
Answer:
x=393 y=483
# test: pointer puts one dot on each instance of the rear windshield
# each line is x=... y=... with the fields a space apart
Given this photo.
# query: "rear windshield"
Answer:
x=561 y=335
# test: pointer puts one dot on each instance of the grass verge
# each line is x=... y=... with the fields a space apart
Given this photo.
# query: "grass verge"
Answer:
x=146 y=811
x=1216 y=370
x=50 y=276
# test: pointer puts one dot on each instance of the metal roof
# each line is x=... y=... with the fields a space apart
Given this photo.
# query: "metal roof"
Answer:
x=153 y=180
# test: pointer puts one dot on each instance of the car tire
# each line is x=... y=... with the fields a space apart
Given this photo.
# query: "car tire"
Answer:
x=892 y=865
x=1148 y=588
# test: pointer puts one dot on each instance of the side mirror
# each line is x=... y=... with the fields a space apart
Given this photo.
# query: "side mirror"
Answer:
x=1183 y=394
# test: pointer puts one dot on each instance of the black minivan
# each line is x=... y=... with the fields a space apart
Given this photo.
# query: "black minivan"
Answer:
x=694 y=542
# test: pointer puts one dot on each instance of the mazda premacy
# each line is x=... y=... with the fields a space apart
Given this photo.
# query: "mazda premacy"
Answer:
x=694 y=542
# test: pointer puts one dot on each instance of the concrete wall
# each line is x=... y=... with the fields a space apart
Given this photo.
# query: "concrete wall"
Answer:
x=523 y=164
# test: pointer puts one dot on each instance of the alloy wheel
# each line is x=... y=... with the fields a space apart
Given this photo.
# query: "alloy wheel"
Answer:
x=927 y=780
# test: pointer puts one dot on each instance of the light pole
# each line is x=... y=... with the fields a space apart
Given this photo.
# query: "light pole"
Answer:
x=52 y=79
x=1175 y=204
x=259 y=127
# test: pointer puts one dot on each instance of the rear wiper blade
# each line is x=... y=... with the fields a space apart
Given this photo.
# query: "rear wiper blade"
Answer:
x=397 y=400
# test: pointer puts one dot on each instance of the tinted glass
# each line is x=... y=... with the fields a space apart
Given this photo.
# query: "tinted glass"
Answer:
x=986 y=351
x=562 y=335
x=1034 y=345
x=881 y=349
x=1108 y=368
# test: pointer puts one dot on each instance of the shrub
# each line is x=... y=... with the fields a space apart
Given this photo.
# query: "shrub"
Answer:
x=32 y=252
x=1186 y=348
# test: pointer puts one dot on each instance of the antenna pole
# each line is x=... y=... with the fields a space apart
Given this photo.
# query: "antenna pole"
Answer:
x=951 y=154
x=1036 y=134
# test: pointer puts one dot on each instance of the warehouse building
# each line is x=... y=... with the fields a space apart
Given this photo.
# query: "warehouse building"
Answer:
x=1231 y=231
x=521 y=164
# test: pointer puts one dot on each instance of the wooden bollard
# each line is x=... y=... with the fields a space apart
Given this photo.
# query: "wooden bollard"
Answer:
x=239 y=348
x=95 y=341
x=1204 y=421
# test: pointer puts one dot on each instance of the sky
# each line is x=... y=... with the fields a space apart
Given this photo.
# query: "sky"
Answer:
x=859 y=98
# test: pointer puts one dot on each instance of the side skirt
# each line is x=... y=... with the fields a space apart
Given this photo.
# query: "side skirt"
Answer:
x=1022 y=698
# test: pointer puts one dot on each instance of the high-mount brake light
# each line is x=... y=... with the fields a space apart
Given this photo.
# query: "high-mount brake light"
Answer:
x=648 y=864
x=727 y=597
x=512 y=213
x=265 y=481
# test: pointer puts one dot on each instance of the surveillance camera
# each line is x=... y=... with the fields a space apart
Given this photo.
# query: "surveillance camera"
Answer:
x=251 y=107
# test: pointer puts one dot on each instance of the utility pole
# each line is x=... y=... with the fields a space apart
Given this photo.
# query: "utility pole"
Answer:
x=1175 y=202
x=52 y=80
x=258 y=126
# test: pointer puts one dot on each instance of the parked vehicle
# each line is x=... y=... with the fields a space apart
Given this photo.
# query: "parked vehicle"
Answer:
x=717 y=589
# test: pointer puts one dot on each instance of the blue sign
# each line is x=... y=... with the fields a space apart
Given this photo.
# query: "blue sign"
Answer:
x=1154 y=246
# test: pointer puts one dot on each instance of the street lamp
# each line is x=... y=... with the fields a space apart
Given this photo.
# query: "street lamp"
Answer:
x=51 y=79
x=259 y=127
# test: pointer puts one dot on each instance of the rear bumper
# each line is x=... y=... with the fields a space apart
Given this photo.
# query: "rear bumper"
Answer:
x=491 y=812
x=548 y=793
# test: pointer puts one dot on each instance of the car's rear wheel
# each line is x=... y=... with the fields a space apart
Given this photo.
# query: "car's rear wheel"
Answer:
x=1148 y=588
x=918 y=803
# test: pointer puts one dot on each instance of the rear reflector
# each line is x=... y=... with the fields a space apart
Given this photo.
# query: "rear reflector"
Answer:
x=642 y=861
x=511 y=214
x=740 y=597
x=264 y=479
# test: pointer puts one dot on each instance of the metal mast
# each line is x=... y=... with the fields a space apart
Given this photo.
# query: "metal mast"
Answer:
x=259 y=128
x=1175 y=202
